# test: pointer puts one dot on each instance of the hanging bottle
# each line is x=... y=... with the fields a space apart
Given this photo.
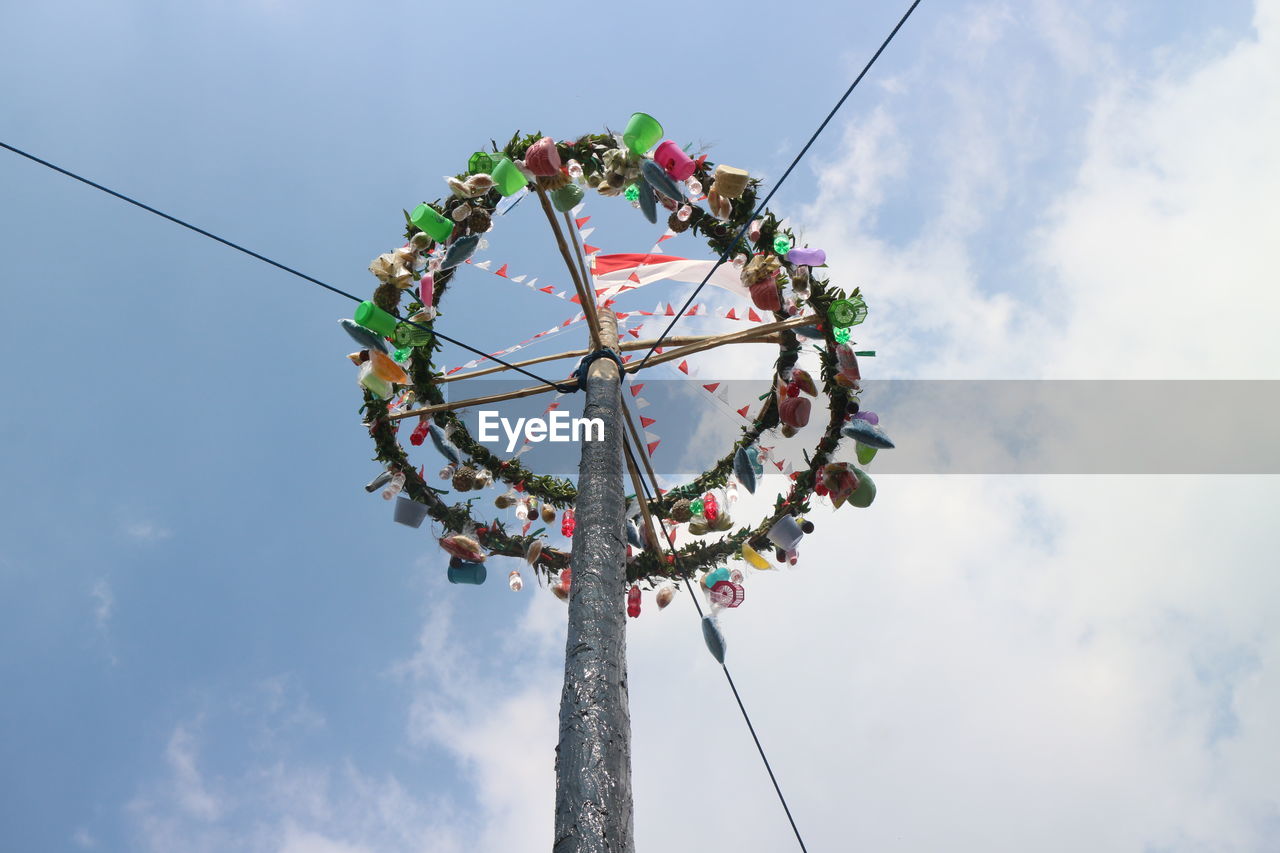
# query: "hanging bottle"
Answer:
x=567 y=523
x=393 y=488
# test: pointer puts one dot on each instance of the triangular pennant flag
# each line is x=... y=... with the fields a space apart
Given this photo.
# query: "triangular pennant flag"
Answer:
x=712 y=387
x=635 y=389
x=743 y=411
x=653 y=445
x=549 y=289
x=684 y=367
x=635 y=333
x=484 y=265
x=647 y=422
x=692 y=312
x=587 y=233
x=657 y=350
x=502 y=271
x=519 y=279
x=578 y=209
x=671 y=310
x=667 y=236
x=590 y=250
x=561 y=294
x=627 y=358
x=732 y=315
x=634 y=278
x=642 y=403
x=583 y=221
x=575 y=299
x=753 y=316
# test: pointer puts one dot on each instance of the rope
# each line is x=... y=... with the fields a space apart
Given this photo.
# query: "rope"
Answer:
x=803 y=151
x=648 y=495
x=562 y=387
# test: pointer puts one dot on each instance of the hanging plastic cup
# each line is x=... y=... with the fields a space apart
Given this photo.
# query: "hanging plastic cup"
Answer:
x=372 y=317
x=566 y=198
x=409 y=512
x=432 y=222
x=786 y=533
x=674 y=161
x=508 y=178
x=642 y=133
x=460 y=571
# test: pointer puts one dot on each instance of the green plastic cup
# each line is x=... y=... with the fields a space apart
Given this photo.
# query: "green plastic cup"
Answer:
x=642 y=133
x=432 y=222
x=374 y=318
x=566 y=198
x=508 y=178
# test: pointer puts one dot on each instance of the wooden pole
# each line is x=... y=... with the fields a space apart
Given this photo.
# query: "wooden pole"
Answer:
x=670 y=355
x=623 y=346
x=593 y=758
x=587 y=299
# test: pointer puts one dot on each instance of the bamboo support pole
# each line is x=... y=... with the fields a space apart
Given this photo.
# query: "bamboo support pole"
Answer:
x=631 y=452
x=623 y=346
x=669 y=355
x=586 y=298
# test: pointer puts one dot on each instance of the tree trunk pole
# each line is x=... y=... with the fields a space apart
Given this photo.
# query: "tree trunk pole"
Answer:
x=593 y=759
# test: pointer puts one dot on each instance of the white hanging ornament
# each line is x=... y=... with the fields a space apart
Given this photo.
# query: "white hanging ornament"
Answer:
x=394 y=486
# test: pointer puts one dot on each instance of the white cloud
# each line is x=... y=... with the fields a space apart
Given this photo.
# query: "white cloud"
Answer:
x=974 y=663
x=146 y=531
x=190 y=791
x=104 y=602
x=271 y=805
x=986 y=663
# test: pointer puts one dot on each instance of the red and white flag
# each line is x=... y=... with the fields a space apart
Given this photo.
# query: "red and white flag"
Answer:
x=618 y=273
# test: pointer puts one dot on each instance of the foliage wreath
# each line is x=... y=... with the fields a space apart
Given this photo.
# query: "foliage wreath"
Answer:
x=604 y=163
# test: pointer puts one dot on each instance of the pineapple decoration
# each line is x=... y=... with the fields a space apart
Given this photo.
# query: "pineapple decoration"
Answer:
x=396 y=369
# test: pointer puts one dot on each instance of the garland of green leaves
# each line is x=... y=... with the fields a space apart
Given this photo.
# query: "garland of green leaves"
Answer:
x=606 y=166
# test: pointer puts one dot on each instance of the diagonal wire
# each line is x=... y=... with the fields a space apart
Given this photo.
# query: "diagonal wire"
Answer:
x=643 y=452
x=313 y=280
x=724 y=256
x=637 y=448
x=803 y=151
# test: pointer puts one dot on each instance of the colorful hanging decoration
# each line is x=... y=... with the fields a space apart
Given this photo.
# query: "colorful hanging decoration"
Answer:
x=778 y=276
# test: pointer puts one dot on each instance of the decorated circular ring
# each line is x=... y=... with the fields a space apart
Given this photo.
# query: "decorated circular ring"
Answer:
x=395 y=329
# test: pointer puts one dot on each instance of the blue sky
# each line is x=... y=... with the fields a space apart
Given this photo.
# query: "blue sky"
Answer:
x=213 y=639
